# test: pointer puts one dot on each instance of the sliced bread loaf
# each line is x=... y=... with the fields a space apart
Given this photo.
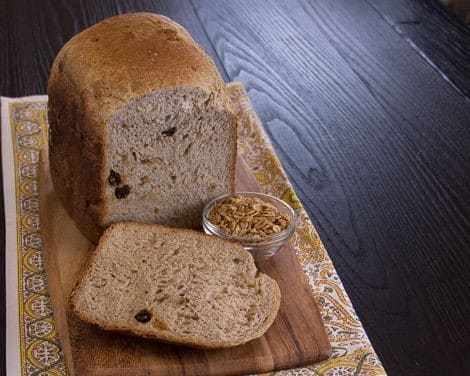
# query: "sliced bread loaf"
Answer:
x=141 y=127
x=177 y=286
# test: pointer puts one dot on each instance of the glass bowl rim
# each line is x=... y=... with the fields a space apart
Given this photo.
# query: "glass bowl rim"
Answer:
x=271 y=239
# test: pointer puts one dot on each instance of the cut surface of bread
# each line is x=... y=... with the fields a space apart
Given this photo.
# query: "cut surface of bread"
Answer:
x=170 y=148
x=175 y=285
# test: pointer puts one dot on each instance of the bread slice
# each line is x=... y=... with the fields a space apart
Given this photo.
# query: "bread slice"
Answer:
x=141 y=127
x=175 y=285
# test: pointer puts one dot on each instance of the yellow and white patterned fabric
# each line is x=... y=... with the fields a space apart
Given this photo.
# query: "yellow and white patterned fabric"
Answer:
x=33 y=347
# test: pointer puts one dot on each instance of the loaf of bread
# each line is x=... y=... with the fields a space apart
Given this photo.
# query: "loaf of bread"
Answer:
x=140 y=125
x=175 y=285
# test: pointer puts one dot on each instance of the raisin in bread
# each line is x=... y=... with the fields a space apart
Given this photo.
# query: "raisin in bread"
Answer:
x=175 y=285
x=140 y=125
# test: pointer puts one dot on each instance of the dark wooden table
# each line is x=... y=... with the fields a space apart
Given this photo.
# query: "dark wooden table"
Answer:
x=367 y=103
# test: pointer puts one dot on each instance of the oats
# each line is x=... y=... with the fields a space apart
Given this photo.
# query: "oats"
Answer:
x=248 y=216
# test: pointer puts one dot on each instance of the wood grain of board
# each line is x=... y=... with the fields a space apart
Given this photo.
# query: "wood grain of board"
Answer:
x=296 y=337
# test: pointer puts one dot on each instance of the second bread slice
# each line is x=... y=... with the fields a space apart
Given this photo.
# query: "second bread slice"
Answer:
x=174 y=285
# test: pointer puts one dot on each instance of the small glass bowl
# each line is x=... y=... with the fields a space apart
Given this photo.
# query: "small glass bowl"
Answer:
x=260 y=248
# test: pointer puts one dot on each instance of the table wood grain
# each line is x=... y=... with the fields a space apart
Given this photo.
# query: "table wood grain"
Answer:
x=367 y=103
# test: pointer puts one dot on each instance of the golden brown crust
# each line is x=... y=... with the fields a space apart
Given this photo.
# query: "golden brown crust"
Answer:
x=98 y=71
x=166 y=336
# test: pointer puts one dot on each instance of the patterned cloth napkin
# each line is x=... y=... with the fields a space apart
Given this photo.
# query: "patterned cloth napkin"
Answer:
x=32 y=344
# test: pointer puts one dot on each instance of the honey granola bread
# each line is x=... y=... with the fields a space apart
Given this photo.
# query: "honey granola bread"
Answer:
x=140 y=125
x=175 y=285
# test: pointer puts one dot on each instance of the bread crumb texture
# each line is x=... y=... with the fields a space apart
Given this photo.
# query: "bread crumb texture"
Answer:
x=179 y=286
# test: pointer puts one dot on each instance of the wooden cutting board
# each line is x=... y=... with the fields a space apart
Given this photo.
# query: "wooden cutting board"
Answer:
x=296 y=337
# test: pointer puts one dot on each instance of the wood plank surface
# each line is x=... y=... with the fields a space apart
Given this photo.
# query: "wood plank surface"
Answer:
x=360 y=98
x=377 y=146
x=436 y=34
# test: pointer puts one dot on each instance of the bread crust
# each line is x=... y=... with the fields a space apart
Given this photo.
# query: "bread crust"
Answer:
x=166 y=336
x=98 y=71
